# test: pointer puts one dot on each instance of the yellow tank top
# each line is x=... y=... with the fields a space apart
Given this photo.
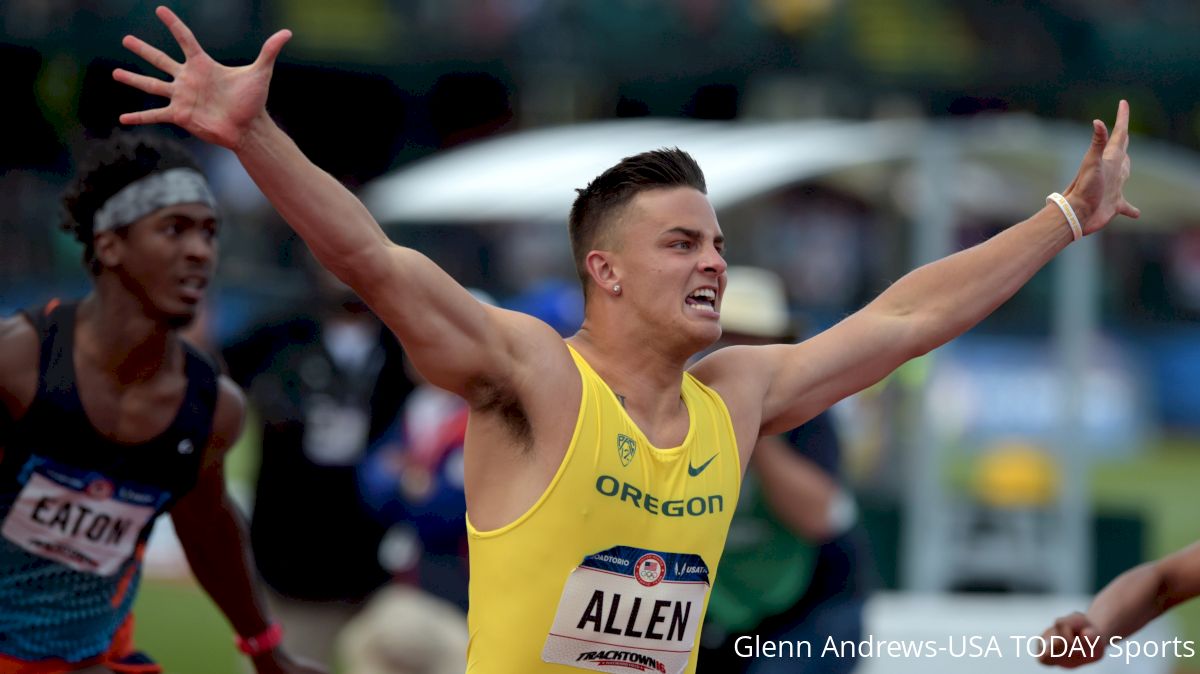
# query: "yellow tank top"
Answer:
x=610 y=569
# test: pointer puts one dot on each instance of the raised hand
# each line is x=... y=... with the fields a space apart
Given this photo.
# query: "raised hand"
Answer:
x=1077 y=629
x=1096 y=192
x=215 y=103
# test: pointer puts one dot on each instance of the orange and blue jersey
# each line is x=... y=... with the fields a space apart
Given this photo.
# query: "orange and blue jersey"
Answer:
x=76 y=510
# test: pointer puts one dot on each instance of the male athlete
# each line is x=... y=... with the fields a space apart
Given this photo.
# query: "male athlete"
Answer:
x=600 y=475
x=108 y=419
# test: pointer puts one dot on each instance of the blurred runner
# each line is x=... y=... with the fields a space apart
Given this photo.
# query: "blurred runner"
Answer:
x=1125 y=606
x=109 y=420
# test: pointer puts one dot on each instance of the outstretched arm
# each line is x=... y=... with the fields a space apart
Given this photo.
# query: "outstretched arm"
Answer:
x=1126 y=604
x=934 y=303
x=213 y=536
x=455 y=341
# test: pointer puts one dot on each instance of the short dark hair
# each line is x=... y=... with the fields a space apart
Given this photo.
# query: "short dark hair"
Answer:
x=591 y=214
x=109 y=166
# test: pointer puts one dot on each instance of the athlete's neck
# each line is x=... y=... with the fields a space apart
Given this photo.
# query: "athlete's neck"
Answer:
x=114 y=332
x=648 y=381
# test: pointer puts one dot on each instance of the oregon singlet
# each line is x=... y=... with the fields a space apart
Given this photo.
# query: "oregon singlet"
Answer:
x=610 y=569
x=76 y=508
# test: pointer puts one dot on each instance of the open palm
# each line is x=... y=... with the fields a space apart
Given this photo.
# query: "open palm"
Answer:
x=1098 y=188
x=216 y=103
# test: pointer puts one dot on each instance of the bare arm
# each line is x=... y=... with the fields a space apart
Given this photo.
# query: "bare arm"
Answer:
x=214 y=538
x=1130 y=601
x=932 y=304
x=18 y=372
x=455 y=341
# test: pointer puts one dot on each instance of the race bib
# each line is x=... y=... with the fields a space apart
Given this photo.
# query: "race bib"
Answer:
x=629 y=609
x=79 y=519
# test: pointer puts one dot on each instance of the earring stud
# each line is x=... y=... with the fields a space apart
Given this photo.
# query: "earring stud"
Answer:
x=616 y=288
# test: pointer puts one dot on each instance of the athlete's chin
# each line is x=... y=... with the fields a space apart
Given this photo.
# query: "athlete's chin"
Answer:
x=701 y=337
x=179 y=318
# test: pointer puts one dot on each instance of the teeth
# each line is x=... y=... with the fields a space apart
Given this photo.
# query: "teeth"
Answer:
x=706 y=293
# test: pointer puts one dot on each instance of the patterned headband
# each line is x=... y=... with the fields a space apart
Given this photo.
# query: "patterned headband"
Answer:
x=146 y=195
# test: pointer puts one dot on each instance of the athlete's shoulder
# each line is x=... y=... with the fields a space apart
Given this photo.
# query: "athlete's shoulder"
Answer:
x=17 y=332
x=20 y=345
x=733 y=364
x=230 y=414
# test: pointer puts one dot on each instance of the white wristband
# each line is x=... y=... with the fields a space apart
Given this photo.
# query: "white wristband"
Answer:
x=1072 y=220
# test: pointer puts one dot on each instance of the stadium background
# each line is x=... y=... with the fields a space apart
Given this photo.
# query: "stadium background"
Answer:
x=372 y=86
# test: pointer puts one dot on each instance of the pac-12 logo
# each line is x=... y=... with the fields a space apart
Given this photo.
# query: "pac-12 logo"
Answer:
x=100 y=489
x=626 y=448
x=650 y=569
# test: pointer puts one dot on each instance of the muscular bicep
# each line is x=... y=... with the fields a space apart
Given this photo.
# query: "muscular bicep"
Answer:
x=809 y=377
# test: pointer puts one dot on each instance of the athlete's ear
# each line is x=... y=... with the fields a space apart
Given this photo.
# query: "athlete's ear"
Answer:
x=108 y=248
x=601 y=267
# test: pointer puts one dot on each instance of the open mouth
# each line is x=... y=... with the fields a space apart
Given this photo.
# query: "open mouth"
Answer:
x=704 y=300
x=192 y=287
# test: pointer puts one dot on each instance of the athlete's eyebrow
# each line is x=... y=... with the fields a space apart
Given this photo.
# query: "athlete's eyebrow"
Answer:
x=694 y=234
x=182 y=215
x=690 y=233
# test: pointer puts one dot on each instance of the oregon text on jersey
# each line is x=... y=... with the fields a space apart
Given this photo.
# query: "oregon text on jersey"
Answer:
x=694 y=506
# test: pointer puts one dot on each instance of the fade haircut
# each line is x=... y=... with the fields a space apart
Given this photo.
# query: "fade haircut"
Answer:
x=109 y=166
x=594 y=211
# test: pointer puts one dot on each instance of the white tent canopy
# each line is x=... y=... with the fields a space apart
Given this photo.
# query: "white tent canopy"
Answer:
x=533 y=175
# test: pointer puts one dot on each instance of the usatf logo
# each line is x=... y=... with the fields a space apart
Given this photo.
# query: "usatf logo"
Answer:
x=626 y=448
x=650 y=569
x=100 y=489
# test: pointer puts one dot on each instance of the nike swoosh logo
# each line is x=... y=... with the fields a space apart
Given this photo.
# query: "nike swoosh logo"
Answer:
x=694 y=471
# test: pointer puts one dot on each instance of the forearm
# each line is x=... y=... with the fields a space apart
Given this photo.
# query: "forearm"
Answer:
x=943 y=299
x=221 y=561
x=1130 y=601
x=338 y=229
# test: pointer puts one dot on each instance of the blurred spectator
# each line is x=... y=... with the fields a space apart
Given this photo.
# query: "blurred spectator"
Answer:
x=794 y=566
x=325 y=381
x=828 y=231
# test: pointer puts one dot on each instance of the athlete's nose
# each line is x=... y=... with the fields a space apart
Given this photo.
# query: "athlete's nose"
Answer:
x=199 y=247
x=713 y=262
